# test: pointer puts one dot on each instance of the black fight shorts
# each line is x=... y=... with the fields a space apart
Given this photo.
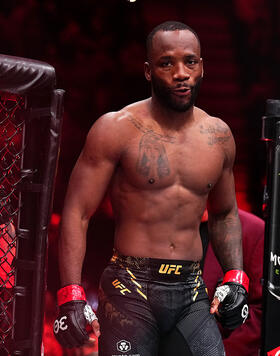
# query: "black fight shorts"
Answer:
x=143 y=301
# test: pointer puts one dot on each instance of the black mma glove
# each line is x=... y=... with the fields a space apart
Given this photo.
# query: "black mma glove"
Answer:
x=232 y=294
x=74 y=314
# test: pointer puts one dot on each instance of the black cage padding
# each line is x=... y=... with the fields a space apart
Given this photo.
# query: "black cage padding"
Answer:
x=44 y=212
x=31 y=111
x=25 y=76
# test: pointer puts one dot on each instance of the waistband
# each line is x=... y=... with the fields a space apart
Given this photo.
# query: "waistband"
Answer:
x=163 y=269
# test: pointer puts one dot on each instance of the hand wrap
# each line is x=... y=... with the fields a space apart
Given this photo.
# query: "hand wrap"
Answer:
x=232 y=294
x=74 y=314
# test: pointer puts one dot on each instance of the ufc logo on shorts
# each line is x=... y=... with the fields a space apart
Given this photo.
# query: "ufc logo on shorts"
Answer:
x=117 y=284
x=60 y=324
x=168 y=269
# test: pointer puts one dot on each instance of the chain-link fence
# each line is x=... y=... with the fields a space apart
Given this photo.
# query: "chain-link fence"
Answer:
x=11 y=149
x=30 y=130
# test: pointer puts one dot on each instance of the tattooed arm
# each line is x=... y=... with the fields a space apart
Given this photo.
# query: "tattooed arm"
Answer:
x=230 y=299
x=224 y=224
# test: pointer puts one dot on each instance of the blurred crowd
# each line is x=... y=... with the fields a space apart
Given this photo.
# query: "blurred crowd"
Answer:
x=98 y=52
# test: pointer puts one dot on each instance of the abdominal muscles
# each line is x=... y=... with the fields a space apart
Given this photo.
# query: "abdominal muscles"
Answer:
x=158 y=223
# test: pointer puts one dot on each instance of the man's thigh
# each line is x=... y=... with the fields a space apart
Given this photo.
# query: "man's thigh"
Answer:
x=127 y=324
x=138 y=340
x=196 y=334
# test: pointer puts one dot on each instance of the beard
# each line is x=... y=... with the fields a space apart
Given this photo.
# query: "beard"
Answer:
x=165 y=97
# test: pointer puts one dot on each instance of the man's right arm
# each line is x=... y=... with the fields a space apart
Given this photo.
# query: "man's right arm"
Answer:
x=88 y=184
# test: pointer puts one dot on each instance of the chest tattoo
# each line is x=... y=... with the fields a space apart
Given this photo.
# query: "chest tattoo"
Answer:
x=152 y=160
x=217 y=134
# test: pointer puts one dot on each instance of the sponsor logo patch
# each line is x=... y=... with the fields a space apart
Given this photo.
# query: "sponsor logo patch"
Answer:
x=123 y=346
x=245 y=312
x=275 y=259
x=60 y=325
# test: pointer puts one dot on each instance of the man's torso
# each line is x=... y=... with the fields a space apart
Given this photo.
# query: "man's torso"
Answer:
x=161 y=184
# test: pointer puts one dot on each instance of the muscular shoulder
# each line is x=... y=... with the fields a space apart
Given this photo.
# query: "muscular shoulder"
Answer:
x=105 y=135
x=111 y=132
x=217 y=132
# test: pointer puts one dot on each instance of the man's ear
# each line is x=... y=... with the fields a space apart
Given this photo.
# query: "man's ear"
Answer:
x=202 y=69
x=147 y=71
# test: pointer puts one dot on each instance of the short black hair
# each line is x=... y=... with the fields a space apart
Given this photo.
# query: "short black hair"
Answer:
x=167 y=26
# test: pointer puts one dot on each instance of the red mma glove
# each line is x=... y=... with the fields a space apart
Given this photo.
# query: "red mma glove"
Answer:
x=74 y=314
x=233 y=309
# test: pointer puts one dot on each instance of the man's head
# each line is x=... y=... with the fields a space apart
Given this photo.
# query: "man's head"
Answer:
x=174 y=66
x=167 y=26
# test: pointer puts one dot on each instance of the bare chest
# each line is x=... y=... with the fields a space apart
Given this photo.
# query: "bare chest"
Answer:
x=153 y=161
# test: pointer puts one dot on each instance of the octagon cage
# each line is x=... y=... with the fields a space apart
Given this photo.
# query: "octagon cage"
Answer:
x=31 y=111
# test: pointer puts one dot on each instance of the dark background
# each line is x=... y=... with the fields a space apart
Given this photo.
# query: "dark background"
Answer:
x=98 y=50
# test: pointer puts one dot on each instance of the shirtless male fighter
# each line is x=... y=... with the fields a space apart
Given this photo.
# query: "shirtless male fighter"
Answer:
x=162 y=159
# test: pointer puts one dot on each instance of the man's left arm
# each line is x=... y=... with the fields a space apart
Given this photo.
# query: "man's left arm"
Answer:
x=230 y=299
x=224 y=224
